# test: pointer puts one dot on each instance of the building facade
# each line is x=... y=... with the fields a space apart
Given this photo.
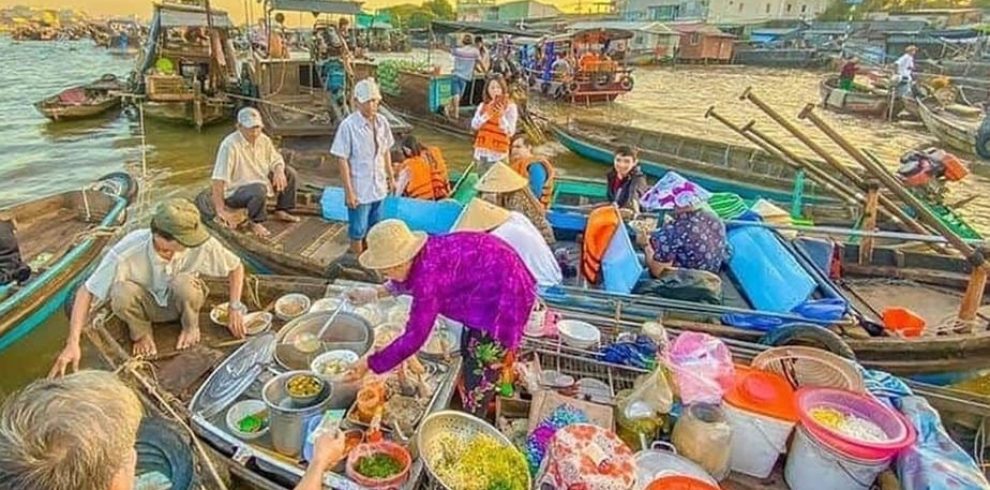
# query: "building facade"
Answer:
x=722 y=11
x=505 y=13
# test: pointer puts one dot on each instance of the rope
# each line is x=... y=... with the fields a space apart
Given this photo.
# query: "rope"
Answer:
x=89 y=216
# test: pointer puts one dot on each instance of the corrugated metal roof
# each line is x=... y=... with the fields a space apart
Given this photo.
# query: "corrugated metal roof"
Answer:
x=340 y=7
x=173 y=16
x=701 y=28
x=651 y=27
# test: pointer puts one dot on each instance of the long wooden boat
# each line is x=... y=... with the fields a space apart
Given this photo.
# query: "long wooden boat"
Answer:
x=201 y=384
x=60 y=237
x=722 y=167
x=956 y=132
x=82 y=101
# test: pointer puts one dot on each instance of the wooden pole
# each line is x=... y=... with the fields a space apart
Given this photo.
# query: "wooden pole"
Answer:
x=869 y=221
x=892 y=207
x=978 y=278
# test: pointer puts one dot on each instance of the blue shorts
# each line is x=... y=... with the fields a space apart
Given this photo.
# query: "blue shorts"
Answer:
x=362 y=218
x=458 y=85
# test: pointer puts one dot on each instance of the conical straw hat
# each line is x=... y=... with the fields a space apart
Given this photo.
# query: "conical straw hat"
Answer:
x=480 y=215
x=391 y=243
x=501 y=178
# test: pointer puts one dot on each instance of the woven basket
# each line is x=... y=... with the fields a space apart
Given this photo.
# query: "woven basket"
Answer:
x=808 y=366
x=430 y=444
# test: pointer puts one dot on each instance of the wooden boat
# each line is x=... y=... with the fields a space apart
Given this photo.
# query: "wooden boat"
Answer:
x=956 y=132
x=82 y=101
x=60 y=237
x=200 y=384
x=721 y=167
x=589 y=82
x=184 y=81
x=874 y=103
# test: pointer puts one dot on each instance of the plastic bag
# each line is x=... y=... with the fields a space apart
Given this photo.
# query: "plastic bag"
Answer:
x=701 y=366
x=650 y=397
x=934 y=461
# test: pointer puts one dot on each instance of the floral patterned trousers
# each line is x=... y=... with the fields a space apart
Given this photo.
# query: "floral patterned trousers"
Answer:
x=483 y=358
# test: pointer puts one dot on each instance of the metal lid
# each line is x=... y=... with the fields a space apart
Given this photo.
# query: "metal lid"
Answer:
x=234 y=375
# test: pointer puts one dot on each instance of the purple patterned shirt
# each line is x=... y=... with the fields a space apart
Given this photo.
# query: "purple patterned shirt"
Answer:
x=472 y=278
x=693 y=240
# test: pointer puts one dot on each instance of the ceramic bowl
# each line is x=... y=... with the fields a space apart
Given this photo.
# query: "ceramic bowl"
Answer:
x=291 y=306
x=578 y=334
x=242 y=409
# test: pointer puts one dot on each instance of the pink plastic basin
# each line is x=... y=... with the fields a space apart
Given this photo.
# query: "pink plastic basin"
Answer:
x=899 y=433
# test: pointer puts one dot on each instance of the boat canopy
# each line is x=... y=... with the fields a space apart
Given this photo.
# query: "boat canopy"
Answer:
x=596 y=35
x=338 y=7
x=183 y=16
x=447 y=27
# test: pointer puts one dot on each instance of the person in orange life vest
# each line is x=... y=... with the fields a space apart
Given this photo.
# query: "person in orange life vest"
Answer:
x=537 y=169
x=495 y=122
x=423 y=173
x=588 y=61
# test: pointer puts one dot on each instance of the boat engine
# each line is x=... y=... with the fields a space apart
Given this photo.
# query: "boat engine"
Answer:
x=928 y=171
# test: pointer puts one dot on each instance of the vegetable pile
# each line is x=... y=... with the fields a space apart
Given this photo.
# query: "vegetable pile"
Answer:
x=379 y=466
x=481 y=463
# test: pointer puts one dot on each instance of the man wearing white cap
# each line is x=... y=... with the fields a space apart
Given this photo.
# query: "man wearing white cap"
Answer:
x=248 y=168
x=363 y=149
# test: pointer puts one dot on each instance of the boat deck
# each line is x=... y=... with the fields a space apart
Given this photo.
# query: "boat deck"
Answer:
x=50 y=235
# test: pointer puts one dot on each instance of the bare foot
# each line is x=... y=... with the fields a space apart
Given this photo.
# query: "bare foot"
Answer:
x=144 y=347
x=285 y=216
x=188 y=338
x=260 y=231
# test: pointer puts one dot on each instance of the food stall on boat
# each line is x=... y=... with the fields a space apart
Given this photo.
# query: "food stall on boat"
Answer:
x=187 y=66
x=595 y=72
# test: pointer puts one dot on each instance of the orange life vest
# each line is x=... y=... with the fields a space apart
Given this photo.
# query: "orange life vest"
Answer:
x=490 y=135
x=521 y=166
x=602 y=224
x=428 y=177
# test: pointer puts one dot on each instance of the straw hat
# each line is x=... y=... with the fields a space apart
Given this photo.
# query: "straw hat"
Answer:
x=481 y=215
x=391 y=243
x=500 y=179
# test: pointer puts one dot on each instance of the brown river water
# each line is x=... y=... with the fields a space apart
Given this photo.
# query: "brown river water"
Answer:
x=38 y=157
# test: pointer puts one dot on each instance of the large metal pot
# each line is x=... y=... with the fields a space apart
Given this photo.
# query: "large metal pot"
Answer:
x=287 y=418
x=348 y=331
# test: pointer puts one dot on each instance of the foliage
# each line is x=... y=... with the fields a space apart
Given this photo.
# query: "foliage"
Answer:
x=411 y=16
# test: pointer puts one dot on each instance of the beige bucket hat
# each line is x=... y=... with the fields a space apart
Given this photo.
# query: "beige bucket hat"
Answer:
x=481 y=215
x=501 y=178
x=391 y=243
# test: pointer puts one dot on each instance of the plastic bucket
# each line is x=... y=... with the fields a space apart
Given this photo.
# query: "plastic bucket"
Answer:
x=899 y=433
x=903 y=321
x=812 y=465
x=757 y=441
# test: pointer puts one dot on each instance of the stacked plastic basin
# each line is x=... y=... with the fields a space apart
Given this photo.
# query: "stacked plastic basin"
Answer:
x=762 y=412
x=821 y=457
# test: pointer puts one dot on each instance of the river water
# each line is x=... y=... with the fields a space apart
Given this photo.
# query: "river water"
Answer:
x=39 y=157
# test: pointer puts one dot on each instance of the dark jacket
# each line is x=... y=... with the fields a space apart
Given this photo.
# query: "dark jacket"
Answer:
x=627 y=191
x=12 y=268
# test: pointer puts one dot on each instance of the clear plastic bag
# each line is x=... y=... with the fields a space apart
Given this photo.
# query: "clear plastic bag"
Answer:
x=701 y=366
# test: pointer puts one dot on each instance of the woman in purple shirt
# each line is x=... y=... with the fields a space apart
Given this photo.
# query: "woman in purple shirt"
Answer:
x=472 y=278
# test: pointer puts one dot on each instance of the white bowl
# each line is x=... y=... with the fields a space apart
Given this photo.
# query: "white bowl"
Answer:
x=347 y=356
x=325 y=304
x=243 y=409
x=578 y=334
x=215 y=313
x=263 y=318
x=300 y=299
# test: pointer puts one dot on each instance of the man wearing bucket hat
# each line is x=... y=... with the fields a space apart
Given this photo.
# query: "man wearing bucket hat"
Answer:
x=152 y=276
x=518 y=232
x=248 y=168
x=362 y=146
x=506 y=188
x=693 y=237
x=472 y=278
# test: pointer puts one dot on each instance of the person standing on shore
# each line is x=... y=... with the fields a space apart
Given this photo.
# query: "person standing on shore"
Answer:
x=248 y=168
x=362 y=146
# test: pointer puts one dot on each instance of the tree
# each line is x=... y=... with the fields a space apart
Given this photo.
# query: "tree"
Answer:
x=442 y=9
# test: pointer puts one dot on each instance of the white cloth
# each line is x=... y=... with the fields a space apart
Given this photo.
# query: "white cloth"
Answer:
x=355 y=143
x=905 y=66
x=528 y=242
x=241 y=163
x=134 y=259
x=508 y=122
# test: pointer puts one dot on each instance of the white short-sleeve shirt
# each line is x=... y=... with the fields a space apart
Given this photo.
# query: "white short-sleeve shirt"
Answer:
x=528 y=242
x=355 y=142
x=134 y=259
x=241 y=163
x=905 y=66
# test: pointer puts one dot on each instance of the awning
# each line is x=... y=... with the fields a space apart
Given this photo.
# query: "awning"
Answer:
x=444 y=27
x=171 y=16
x=339 y=7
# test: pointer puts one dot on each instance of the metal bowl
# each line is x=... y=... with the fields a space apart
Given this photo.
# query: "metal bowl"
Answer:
x=437 y=427
x=305 y=401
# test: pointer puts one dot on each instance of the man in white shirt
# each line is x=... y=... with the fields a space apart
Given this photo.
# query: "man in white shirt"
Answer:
x=362 y=146
x=905 y=71
x=152 y=276
x=516 y=230
x=466 y=57
x=248 y=168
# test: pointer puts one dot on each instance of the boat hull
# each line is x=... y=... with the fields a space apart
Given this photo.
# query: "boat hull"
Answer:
x=190 y=113
x=852 y=102
x=72 y=113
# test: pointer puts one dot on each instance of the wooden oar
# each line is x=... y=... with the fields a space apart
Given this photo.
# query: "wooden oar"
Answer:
x=978 y=278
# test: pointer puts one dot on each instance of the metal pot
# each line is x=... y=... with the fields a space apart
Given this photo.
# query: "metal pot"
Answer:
x=287 y=418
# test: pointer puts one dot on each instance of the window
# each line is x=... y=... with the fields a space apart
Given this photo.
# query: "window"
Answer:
x=768 y=9
x=695 y=39
x=788 y=8
x=740 y=6
x=665 y=12
x=804 y=8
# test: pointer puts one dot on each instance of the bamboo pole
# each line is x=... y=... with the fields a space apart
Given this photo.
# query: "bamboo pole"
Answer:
x=870 y=221
x=892 y=207
x=978 y=278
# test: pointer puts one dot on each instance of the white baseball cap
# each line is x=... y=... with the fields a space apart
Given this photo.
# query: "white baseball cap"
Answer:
x=366 y=90
x=249 y=117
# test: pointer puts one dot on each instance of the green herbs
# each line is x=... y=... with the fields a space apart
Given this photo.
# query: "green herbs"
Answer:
x=378 y=466
x=254 y=422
